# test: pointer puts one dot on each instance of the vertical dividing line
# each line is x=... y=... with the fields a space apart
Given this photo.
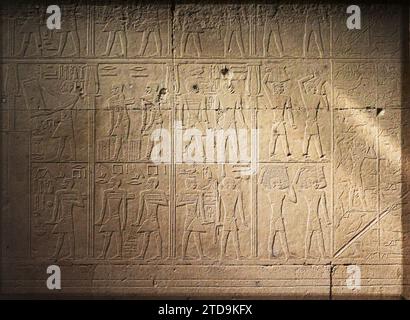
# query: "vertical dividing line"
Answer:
x=91 y=175
x=252 y=32
x=332 y=146
x=12 y=99
x=91 y=133
x=171 y=30
x=12 y=108
x=90 y=31
x=378 y=162
x=254 y=156
x=254 y=140
x=331 y=282
x=29 y=190
x=172 y=178
x=378 y=186
x=88 y=26
x=404 y=144
x=4 y=183
x=332 y=151
x=11 y=36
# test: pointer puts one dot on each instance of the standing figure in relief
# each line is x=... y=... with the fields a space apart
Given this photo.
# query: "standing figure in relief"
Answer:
x=235 y=18
x=231 y=208
x=152 y=116
x=149 y=202
x=191 y=28
x=116 y=25
x=70 y=28
x=193 y=111
x=230 y=118
x=313 y=97
x=277 y=185
x=64 y=131
x=313 y=185
x=271 y=29
x=192 y=199
x=312 y=27
x=359 y=152
x=148 y=24
x=65 y=200
x=119 y=119
x=31 y=29
x=281 y=105
x=115 y=207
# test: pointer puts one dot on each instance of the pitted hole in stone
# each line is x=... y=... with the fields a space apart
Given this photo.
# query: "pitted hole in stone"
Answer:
x=224 y=71
x=379 y=112
x=162 y=92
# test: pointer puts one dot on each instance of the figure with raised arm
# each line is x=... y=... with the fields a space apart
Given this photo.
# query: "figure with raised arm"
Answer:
x=277 y=185
x=313 y=97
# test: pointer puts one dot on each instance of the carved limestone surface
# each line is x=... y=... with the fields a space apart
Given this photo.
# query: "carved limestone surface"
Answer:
x=158 y=148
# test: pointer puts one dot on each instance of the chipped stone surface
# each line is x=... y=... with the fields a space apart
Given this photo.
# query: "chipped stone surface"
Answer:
x=317 y=116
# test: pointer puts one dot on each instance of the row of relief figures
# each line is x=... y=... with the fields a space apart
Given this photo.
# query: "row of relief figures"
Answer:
x=213 y=212
x=203 y=30
x=299 y=202
x=287 y=105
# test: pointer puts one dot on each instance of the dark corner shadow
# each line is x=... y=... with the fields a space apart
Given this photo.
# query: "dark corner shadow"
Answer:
x=405 y=151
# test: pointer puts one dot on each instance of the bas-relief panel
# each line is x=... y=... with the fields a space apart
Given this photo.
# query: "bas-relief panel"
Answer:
x=320 y=187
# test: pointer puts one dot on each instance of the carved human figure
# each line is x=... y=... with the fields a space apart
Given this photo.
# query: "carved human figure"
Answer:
x=313 y=184
x=149 y=202
x=277 y=185
x=65 y=200
x=230 y=209
x=271 y=29
x=113 y=216
x=10 y=91
x=152 y=103
x=281 y=105
x=31 y=29
x=193 y=110
x=312 y=28
x=228 y=105
x=235 y=18
x=148 y=24
x=116 y=26
x=313 y=97
x=70 y=29
x=119 y=119
x=192 y=199
x=190 y=24
x=210 y=184
x=359 y=152
x=64 y=131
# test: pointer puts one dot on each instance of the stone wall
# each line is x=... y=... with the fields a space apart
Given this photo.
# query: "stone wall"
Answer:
x=110 y=170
